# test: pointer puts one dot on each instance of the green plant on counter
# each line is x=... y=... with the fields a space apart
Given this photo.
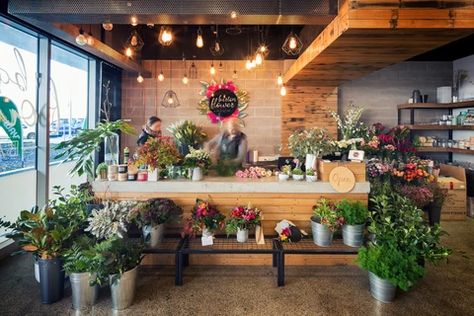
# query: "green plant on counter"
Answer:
x=187 y=134
x=297 y=172
x=286 y=169
x=390 y=263
x=353 y=212
x=81 y=148
x=225 y=169
x=314 y=141
x=310 y=172
x=197 y=158
x=101 y=170
x=157 y=152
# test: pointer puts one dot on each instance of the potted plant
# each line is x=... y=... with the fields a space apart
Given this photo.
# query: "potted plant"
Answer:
x=120 y=259
x=285 y=173
x=324 y=222
x=81 y=264
x=354 y=215
x=241 y=220
x=198 y=160
x=389 y=267
x=311 y=175
x=187 y=134
x=309 y=144
x=297 y=174
x=205 y=218
x=152 y=216
x=157 y=153
x=101 y=171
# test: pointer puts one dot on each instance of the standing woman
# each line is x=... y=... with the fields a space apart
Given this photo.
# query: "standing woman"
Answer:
x=151 y=129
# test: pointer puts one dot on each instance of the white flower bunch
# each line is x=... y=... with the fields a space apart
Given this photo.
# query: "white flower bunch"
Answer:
x=311 y=141
x=111 y=220
x=350 y=125
x=198 y=154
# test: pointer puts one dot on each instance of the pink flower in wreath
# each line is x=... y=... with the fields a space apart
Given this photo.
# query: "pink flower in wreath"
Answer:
x=230 y=86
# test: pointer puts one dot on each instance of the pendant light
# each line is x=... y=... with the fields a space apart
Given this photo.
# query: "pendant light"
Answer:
x=108 y=26
x=185 y=79
x=212 y=70
x=81 y=39
x=165 y=37
x=90 y=37
x=161 y=77
x=248 y=64
x=258 y=59
x=216 y=47
x=280 y=80
x=134 y=21
x=170 y=99
x=140 y=78
x=234 y=74
x=193 y=70
x=199 y=39
x=283 y=91
x=129 y=52
x=135 y=41
x=292 y=45
x=221 y=67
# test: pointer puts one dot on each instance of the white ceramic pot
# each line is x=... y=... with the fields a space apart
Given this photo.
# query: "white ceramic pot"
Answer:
x=153 y=235
x=298 y=177
x=153 y=175
x=197 y=174
x=242 y=235
x=283 y=176
x=311 y=162
x=311 y=178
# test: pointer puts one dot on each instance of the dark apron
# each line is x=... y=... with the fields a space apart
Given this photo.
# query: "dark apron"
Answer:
x=229 y=148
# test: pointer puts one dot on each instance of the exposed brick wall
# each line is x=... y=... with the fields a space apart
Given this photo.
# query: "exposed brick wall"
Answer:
x=139 y=101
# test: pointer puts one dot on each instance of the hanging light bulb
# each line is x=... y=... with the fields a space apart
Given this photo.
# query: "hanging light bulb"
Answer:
x=161 y=77
x=279 y=80
x=235 y=75
x=129 y=52
x=212 y=70
x=140 y=78
x=107 y=26
x=253 y=64
x=233 y=15
x=221 y=67
x=135 y=41
x=185 y=79
x=199 y=40
x=134 y=21
x=258 y=59
x=282 y=91
x=248 y=64
x=292 y=44
x=81 y=39
x=170 y=100
x=165 y=37
x=216 y=48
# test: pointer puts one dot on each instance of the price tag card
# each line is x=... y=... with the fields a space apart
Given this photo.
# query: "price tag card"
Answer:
x=207 y=241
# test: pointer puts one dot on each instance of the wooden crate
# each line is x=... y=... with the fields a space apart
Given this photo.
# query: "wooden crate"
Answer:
x=453 y=179
x=325 y=168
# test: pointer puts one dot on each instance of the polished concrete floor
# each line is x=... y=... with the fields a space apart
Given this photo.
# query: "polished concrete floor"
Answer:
x=448 y=289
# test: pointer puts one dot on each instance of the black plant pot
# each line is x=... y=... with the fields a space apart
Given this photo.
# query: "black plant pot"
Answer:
x=434 y=214
x=51 y=280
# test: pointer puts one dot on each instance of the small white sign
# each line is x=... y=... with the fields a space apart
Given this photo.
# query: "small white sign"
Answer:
x=356 y=155
x=207 y=240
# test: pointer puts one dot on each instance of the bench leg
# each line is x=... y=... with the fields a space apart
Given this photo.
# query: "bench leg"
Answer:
x=281 y=268
x=186 y=260
x=179 y=269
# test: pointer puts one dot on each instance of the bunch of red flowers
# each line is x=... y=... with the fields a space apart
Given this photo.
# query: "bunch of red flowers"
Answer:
x=243 y=218
x=414 y=171
x=204 y=216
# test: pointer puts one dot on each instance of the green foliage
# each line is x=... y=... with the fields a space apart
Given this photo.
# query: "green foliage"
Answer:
x=310 y=172
x=353 y=212
x=298 y=172
x=390 y=263
x=82 y=147
x=242 y=218
x=102 y=167
x=187 y=133
x=286 y=169
x=312 y=141
x=325 y=213
x=81 y=257
x=226 y=169
x=155 y=212
x=197 y=158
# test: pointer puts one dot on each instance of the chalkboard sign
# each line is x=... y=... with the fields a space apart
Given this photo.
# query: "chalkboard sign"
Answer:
x=223 y=103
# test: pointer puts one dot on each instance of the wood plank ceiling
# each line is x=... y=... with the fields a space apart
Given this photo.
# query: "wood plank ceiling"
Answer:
x=364 y=38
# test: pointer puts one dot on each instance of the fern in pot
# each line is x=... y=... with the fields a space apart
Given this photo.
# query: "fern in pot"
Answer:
x=354 y=215
x=186 y=135
x=152 y=216
x=324 y=222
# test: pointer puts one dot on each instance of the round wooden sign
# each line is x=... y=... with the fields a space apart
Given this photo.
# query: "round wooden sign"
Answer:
x=342 y=179
x=223 y=103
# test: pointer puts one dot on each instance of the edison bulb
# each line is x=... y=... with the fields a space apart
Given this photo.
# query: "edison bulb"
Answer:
x=248 y=64
x=212 y=70
x=235 y=75
x=217 y=46
x=199 y=41
x=170 y=100
x=292 y=43
x=258 y=59
x=107 y=26
x=166 y=37
x=81 y=39
x=128 y=52
x=282 y=91
x=134 y=41
x=279 y=80
x=253 y=64
x=140 y=78
x=233 y=15
x=161 y=77
x=134 y=21
x=185 y=79
x=90 y=39
x=263 y=48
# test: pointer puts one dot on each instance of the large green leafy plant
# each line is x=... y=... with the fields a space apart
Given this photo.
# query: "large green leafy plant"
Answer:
x=314 y=141
x=82 y=257
x=353 y=212
x=187 y=133
x=81 y=148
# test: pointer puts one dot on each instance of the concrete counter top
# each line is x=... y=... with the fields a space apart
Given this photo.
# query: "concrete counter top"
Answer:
x=223 y=185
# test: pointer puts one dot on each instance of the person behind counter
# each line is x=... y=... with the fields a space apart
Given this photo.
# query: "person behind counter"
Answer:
x=230 y=145
x=151 y=129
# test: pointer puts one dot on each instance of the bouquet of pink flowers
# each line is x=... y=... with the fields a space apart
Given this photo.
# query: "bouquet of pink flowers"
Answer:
x=243 y=218
x=253 y=173
x=204 y=216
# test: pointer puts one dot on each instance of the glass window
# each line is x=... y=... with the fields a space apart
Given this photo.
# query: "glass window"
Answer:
x=18 y=87
x=68 y=95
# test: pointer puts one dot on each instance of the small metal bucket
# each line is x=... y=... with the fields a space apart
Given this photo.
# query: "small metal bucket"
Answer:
x=122 y=289
x=84 y=295
x=353 y=235
x=322 y=235
x=381 y=289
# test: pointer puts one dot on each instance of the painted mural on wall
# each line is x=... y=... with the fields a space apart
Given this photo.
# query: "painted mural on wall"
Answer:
x=223 y=101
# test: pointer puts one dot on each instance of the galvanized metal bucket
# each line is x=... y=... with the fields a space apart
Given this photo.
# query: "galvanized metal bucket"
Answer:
x=381 y=289
x=242 y=235
x=322 y=235
x=353 y=235
x=122 y=289
x=153 y=235
x=84 y=295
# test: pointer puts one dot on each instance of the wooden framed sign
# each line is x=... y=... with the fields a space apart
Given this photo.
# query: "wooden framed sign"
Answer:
x=342 y=179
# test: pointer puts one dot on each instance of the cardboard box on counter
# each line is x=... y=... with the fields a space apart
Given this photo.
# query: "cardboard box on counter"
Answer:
x=453 y=179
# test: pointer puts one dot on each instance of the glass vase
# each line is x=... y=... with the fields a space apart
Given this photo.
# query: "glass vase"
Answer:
x=111 y=149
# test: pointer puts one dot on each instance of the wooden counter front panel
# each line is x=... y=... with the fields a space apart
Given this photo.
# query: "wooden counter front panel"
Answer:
x=297 y=208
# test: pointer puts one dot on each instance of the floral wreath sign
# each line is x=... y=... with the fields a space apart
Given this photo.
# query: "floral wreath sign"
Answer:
x=223 y=101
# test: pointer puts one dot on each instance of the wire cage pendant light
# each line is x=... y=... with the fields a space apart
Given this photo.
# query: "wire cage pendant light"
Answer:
x=170 y=98
x=292 y=45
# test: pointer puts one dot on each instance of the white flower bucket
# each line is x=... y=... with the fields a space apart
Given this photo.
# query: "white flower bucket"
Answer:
x=153 y=175
x=242 y=235
x=197 y=174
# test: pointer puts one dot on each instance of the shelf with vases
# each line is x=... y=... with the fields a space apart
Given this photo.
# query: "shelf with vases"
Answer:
x=436 y=127
x=444 y=150
x=434 y=106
